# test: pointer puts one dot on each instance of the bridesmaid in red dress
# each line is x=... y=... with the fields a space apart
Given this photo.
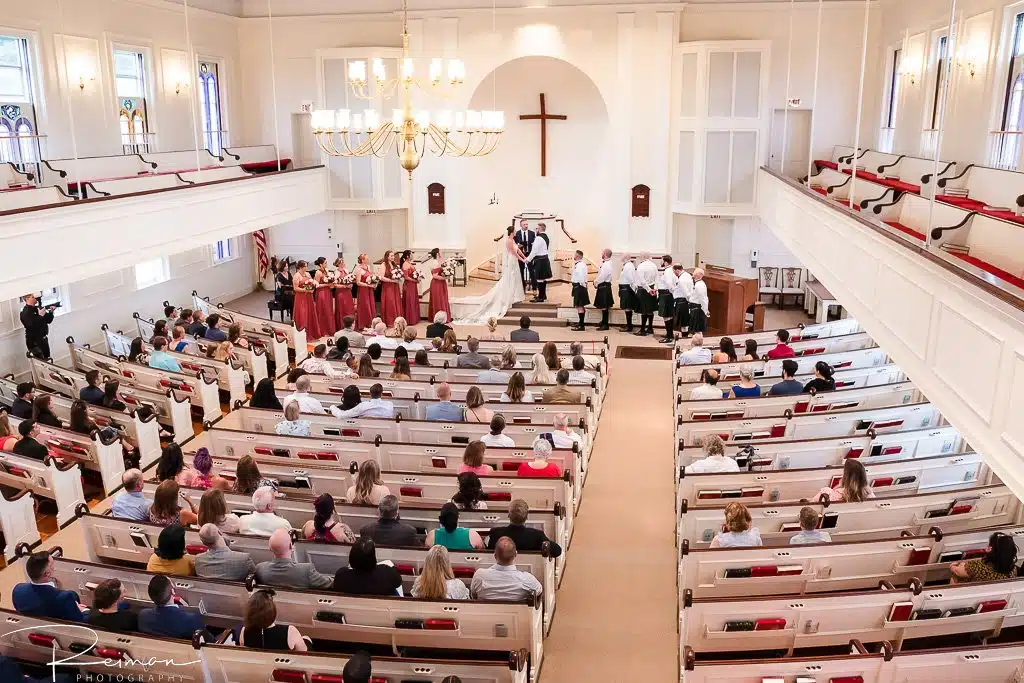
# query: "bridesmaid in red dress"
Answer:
x=366 y=311
x=390 y=296
x=323 y=298
x=343 y=302
x=410 y=289
x=304 y=312
x=438 y=288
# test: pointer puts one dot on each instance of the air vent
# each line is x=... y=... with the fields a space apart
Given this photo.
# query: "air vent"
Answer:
x=771 y=512
x=783 y=553
x=934 y=596
x=796 y=605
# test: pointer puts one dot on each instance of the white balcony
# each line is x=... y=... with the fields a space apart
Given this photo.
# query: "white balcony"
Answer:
x=76 y=240
x=958 y=333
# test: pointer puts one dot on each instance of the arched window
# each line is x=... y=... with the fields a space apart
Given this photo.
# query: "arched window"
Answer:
x=138 y=130
x=27 y=142
x=210 y=108
x=8 y=151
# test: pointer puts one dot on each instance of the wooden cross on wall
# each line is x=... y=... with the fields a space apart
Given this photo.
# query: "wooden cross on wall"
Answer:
x=543 y=117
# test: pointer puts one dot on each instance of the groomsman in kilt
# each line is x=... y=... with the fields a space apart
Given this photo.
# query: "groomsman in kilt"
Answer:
x=699 y=311
x=580 y=297
x=681 y=297
x=666 y=304
x=603 y=299
x=646 y=294
x=627 y=291
x=540 y=264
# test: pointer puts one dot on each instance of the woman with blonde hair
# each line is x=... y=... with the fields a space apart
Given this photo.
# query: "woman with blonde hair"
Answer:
x=9 y=438
x=509 y=358
x=369 y=487
x=516 y=391
x=223 y=351
x=739 y=533
x=398 y=331
x=492 y=330
x=437 y=580
x=450 y=343
x=476 y=410
x=853 y=487
x=541 y=373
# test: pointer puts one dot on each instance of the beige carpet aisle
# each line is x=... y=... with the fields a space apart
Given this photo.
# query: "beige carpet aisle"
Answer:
x=616 y=614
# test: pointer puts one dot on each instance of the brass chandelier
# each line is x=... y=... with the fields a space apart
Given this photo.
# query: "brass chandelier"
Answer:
x=410 y=133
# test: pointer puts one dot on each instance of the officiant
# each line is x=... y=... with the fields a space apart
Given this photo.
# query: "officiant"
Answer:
x=540 y=264
x=524 y=239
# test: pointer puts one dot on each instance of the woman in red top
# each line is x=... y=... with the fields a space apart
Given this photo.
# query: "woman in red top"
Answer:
x=343 y=302
x=539 y=466
x=366 y=309
x=390 y=295
x=303 y=311
x=410 y=289
x=323 y=298
x=438 y=288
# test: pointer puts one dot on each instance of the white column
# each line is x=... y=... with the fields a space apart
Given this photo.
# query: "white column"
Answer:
x=659 y=128
x=621 y=116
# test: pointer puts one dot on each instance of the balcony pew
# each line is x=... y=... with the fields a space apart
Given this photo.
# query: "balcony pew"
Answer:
x=27 y=197
x=908 y=173
x=11 y=177
x=831 y=620
x=839 y=186
x=18 y=510
x=888 y=478
x=74 y=173
x=841 y=157
x=856 y=378
x=255 y=158
x=989 y=191
x=196 y=386
x=843 y=360
x=171 y=411
x=93 y=452
x=990 y=244
x=183 y=160
x=913 y=215
x=209 y=175
x=296 y=338
x=124 y=186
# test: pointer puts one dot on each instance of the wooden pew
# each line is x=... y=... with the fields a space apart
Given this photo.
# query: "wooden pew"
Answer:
x=802 y=346
x=169 y=409
x=28 y=197
x=862 y=358
x=446 y=371
x=18 y=511
x=92 y=452
x=209 y=175
x=52 y=479
x=124 y=186
x=766 y=339
x=74 y=173
x=829 y=567
x=183 y=160
x=202 y=391
x=887 y=373
x=296 y=338
x=922 y=475
x=255 y=158
x=11 y=177
x=842 y=156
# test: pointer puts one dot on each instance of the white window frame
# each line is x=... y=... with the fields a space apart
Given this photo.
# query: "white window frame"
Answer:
x=148 y=86
x=231 y=245
x=163 y=276
x=37 y=99
x=1004 y=151
x=934 y=104
x=892 y=91
x=222 y=92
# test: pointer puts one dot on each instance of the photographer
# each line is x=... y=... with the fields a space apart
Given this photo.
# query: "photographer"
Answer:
x=36 y=321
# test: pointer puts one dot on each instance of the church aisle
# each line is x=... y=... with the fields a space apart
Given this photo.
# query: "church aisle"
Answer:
x=616 y=616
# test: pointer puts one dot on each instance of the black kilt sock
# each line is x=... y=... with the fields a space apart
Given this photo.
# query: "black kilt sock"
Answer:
x=542 y=289
x=583 y=316
x=604 y=317
x=629 y=321
x=668 y=328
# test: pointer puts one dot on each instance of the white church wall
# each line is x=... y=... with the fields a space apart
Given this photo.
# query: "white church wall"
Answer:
x=330 y=233
x=727 y=241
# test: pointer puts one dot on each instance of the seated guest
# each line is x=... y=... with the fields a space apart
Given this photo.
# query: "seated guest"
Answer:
x=472 y=358
x=248 y=478
x=171 y=465
x=42 y=412
x=351 y=398
x=28 y=445
x=751 y=350
x=562 y=435
x=197 y=328
x=219 y=561
x=809 y=531
x=438 y=327
x=739 y=533
x=476 y=410
x=492 y=376
x=437 y=580
x=473 y=459
x=7 y=436
x=221 y=351
x=363 y=576
x=540 y=374
x=450 y=534
x=169 y=617
x=366 y=369
x=170 y=314
x=561 y=393
x=40 y=597
x=357 y=669
x=131 y=504
x=422 y=359
x=516 y=391
x=726 y=351
x=136 y=350
x=21 y=408
x=539 y=466
x=202 y=463
x=444 y=410
x=788 y=386
x=317 y=364
x=92 y=393
x=747 y=387
x=374 y=407
x=80 y=422
x=307 y=404
x=708 y=389
x=213 y=509
x=293 y=376
x=373 y=326
x=160 y=359
x=492 y=330
x=178 y=342
x=381 y=338
x=213 y=333
x=696 y=354
x=409 y=342
x=503 y=580
x=402 y=370
x=449 y=343
x=184 y=318
x=110 y=399
x=323 y=527
x=356 y=340
x=470 y=495
x=782 y=348
x=286 y=572
x=524 y=333
x=159 y=330
x=374 y=351
x=398 y=331
x=509 y=358
x=260 y=629
x=389 y=529
x=578 y=375
x=340 y=351
x=496 y=438
x=551 y=356
x=262 y=521
x=108 y=612
x=369 y=489
x=526 y=538
x=169 y=556
x=823 y=380
x=292 y=425
x=999 y=563
x=576 y=349
x=714 y=460
x=853 y=487
x=235 y=336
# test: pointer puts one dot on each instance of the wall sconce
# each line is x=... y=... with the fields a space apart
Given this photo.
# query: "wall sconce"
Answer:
x=908 y=69
x=970 y=58
x=81 y=72
x=181 y=81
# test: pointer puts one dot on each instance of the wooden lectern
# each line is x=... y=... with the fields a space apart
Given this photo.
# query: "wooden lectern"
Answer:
x=729 y=297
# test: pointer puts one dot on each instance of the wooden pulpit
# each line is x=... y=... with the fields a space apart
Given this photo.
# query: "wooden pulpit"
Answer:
x=729 y=296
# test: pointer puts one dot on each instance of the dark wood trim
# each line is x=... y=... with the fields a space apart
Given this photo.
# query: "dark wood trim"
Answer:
x=797 y=416
x=834 y=438
x=798 y=504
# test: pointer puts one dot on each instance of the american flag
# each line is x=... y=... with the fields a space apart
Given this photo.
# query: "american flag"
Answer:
x=259 y=238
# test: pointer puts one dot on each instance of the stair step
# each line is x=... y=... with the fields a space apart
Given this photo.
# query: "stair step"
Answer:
x=534 y=322
x=483 y=275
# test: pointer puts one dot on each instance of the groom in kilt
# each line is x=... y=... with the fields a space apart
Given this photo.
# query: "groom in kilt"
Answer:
x=580 y=297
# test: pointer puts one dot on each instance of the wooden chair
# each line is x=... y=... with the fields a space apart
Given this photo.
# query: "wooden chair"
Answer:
x=769 y=282
x=791 y=286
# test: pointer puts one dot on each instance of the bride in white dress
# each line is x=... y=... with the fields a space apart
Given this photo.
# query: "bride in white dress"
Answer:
x=475 y=310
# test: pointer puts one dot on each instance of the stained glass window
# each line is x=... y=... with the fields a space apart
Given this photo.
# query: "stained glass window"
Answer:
x=210 y=106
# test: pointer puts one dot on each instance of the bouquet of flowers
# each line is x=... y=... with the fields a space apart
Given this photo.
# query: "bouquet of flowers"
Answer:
x=397 y=275
x=373 y=280
x=347 y=279
x=416 y=275
x=447 y=269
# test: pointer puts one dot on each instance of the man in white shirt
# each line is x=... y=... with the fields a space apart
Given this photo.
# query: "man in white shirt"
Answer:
x=666 y=304
x=563 y=436
x=646 y=294
x=317 y=364
x=699 y=311
x=307 y=404
x=503 y=580
x=715 y=459
x=496 y=438
x=379 y=338
x=708 y=389
x=578 y=374
x=539 y=263
x=627 y=293
x=580 y=297
x=681 y=299
x=576 y=349
x=603 y=300
x=697 y=354
x=375 y=407
x=263 y=521
x=409 y=342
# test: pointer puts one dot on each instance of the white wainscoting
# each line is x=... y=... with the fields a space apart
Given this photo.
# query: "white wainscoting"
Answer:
x=961 y=345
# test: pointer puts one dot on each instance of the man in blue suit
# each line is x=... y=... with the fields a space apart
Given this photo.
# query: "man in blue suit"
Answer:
x=168 y=619
x=444 y=410
x=40 y=597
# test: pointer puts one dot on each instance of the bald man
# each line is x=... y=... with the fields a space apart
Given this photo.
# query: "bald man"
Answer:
x=444 y=410
x=286 y=572
x=709 y=388
x=699 y=311
x=503 y=580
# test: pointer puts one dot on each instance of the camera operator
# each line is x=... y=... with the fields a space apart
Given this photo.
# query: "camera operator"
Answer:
x=36 y=321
